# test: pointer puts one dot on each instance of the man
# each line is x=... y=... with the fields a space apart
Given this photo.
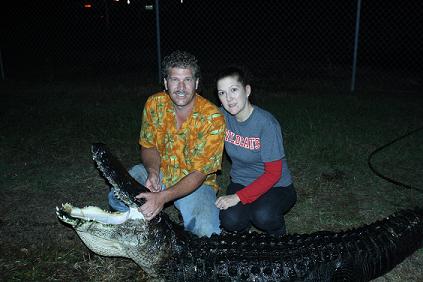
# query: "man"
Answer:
x=181 y=138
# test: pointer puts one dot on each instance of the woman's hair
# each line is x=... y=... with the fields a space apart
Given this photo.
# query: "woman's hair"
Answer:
x=183 y=60
x=240 y=72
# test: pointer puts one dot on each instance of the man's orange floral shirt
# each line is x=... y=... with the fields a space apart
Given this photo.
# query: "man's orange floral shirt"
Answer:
x=197 y=145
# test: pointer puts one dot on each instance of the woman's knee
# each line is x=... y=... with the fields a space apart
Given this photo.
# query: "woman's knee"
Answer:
x=233 y=221
x=266 y=220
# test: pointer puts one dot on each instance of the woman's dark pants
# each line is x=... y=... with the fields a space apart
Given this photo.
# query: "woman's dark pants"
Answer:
x=266 y=213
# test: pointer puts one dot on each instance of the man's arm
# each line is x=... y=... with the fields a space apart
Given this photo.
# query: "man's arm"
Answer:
x=156 y=201
x=185 y=186
x=150 y=158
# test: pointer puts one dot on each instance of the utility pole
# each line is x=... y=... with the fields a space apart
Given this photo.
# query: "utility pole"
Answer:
x=158 y=41
x=357 y=32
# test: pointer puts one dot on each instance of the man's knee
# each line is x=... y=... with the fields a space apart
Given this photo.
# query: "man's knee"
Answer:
x=203 y=226
x=116 y=204
x=204 y=229
x=139 y=173
x=199 y=213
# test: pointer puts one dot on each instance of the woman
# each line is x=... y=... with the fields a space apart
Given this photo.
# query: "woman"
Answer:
x=261 y=189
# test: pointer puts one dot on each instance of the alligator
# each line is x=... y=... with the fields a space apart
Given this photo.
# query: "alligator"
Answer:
x=166 y=252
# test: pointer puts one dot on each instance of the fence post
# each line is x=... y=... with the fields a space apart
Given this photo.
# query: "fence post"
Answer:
x=357 y=32
x=158 y=40
x=107 y=14
x=3 y=77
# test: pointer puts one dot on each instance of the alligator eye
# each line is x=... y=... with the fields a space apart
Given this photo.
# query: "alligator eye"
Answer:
x=267 y=271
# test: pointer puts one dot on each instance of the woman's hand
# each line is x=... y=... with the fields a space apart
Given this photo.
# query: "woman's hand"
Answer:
x=228 y=201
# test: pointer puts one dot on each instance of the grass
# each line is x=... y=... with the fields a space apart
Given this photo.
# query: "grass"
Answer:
x=47 y=128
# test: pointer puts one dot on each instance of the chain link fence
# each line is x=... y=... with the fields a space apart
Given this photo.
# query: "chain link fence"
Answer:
x=290 y=45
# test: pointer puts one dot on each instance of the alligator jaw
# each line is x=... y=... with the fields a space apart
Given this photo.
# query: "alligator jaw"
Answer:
x=73 y=215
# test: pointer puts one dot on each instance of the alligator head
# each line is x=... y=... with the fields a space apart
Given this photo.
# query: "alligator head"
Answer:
x=118 y=234
x=122 y=234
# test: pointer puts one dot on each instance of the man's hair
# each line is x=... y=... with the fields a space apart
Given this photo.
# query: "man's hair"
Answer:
x=183 y=60
x=240 y=72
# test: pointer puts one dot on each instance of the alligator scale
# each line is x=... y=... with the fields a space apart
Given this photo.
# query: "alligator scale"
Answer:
x=168 y=253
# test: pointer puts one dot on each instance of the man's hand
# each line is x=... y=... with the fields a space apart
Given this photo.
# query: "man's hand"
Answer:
x=153 y=181
x=228 y=201
x=154 y=203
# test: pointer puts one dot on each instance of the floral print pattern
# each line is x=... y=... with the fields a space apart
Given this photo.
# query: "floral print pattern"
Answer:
x=197 y=145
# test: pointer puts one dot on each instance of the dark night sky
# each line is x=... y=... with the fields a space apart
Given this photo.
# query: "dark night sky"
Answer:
x=306 y=30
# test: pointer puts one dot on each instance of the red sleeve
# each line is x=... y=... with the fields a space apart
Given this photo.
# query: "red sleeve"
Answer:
x=272 y=173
